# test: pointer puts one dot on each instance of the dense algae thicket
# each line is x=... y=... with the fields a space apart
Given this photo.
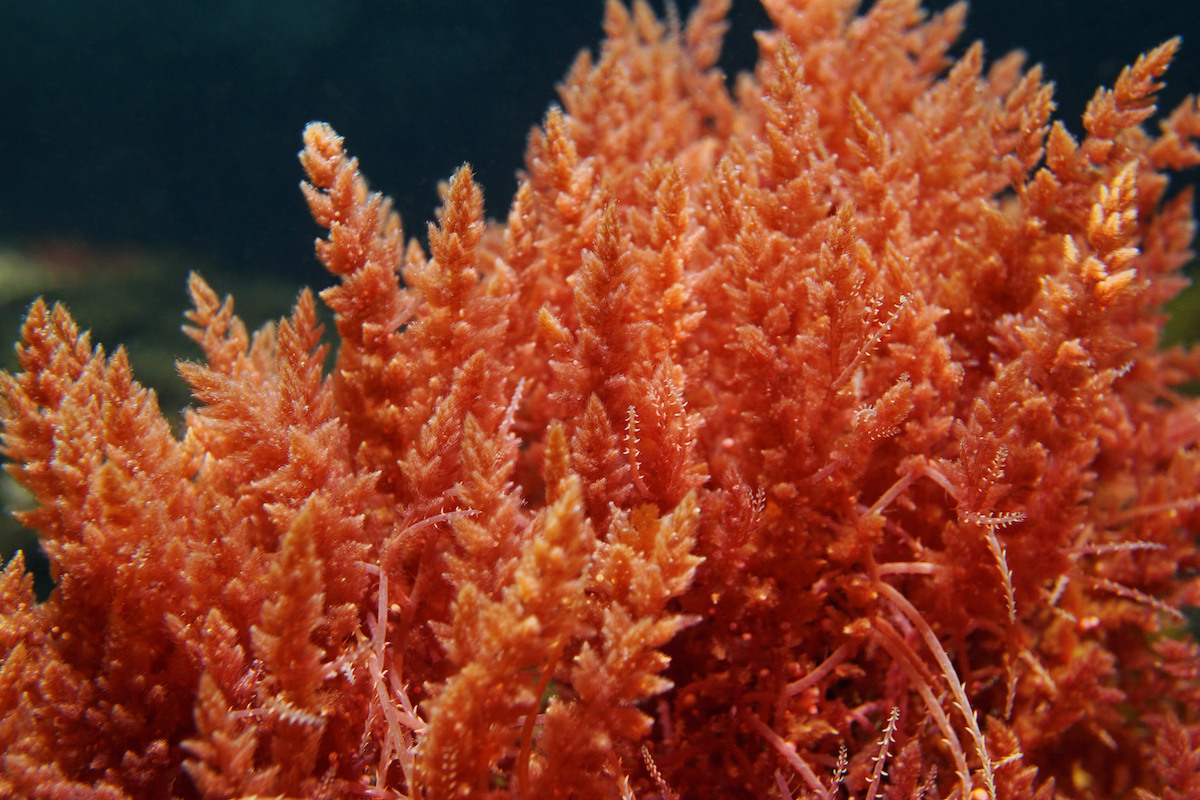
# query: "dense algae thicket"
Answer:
x=806 y=440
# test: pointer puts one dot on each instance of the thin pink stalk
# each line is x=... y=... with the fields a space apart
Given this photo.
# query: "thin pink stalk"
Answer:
x=956 y=687
x=789 y=753
x=881 y=758
x=903 y=655
x=838 y=656
x=909 y=568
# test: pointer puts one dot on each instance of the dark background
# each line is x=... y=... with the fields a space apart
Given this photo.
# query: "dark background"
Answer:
x=175 y=125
